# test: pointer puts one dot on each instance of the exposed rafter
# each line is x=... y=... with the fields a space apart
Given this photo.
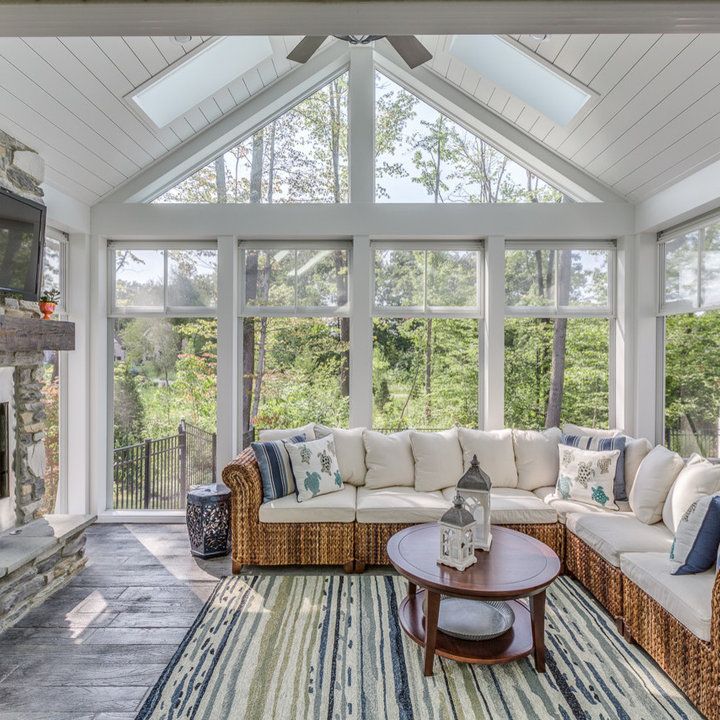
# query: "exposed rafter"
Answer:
x=234 y=127
x=506 y=136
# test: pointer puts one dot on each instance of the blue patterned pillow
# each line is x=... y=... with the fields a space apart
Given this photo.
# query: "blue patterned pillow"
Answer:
x=697 y=538
x=275 y=470
x=586 y=442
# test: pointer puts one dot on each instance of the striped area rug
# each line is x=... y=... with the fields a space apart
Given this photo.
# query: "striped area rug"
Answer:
x=331 y=647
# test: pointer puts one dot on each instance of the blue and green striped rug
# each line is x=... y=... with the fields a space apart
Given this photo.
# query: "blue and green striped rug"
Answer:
x=329 y=647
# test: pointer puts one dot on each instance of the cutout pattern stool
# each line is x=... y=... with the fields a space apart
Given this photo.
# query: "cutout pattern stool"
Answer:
x=208 y=520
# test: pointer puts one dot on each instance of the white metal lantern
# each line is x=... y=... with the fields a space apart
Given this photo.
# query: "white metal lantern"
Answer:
x=474 y=488
x=457 y=548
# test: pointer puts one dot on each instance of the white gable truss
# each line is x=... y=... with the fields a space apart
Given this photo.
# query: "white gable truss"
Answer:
x=283 y=94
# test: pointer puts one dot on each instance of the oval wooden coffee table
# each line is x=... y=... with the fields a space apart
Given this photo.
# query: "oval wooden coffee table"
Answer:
x=516 y=566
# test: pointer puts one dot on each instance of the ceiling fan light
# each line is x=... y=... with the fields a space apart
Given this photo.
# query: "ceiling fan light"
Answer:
x=181 y=39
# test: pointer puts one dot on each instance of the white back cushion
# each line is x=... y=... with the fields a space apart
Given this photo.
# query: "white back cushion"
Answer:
x=570 y=429
x=536 y=457
x=389 y=459
x=655 y=476
x=635 y=451
x=494 y=450
x=350 y=450
x=438 y=459
x=698 y=478
x=268 y=435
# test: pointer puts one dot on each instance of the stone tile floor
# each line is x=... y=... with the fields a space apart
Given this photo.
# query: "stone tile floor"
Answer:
x=95 y=648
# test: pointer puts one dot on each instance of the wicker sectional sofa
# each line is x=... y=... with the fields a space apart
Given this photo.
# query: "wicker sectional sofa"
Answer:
x=621 y=561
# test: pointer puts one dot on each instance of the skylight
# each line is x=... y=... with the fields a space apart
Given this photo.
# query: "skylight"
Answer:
x=524 y=75
x=198 y=75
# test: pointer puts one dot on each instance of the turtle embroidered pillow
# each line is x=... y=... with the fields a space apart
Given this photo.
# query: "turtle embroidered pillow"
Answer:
x=587 y=476
x=315 y=467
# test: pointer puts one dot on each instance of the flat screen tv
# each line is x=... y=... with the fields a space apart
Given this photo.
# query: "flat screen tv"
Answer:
x=22 y=237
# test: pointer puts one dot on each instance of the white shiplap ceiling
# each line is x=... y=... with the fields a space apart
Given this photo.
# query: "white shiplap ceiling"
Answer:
x=656 y=120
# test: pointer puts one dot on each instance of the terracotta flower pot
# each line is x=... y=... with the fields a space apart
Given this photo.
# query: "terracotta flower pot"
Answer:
x=47 y=309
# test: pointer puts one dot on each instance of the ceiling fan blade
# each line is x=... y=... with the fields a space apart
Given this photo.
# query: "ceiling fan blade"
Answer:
x=306 y=48
x=410 y=49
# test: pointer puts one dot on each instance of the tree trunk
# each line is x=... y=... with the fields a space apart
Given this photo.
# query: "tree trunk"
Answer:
x=256 y=167
x=262 y=349
x=271 y=163
x=251 y=281
x=557 y=367
x=428 y=373
x=221 y=180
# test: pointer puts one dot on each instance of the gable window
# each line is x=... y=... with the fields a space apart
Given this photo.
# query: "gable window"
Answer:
x=424 y=156
x=299 y=157
x=559 y=326
x=426 y=307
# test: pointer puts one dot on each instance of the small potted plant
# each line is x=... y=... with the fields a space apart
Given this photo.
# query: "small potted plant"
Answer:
x=48 y=302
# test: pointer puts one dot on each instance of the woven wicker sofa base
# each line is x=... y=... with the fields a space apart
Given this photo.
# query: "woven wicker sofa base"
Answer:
x=603 y=580
x=371 y=539
x=687 y=660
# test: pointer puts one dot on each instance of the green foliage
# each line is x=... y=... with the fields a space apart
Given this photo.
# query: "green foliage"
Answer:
x=129 y=409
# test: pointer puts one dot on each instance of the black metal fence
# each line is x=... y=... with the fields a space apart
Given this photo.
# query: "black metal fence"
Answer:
x=687 y=443
x=155 y=474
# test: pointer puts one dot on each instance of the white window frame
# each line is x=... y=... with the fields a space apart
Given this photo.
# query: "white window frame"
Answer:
x=247 y=311
x=167 y=310
x=430 y=311
x=567 y=311
x=682 y=307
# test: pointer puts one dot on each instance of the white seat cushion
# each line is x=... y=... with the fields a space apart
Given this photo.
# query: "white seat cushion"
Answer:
x=333 y=507
x=611 y=534
x=511 y=506
x=399 y=505
x=688 y=598
x=495 y=454
x=563 y=508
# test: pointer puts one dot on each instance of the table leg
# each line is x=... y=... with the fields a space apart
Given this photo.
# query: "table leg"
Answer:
x=537 y=612
x=431 y=620
x=412 y=589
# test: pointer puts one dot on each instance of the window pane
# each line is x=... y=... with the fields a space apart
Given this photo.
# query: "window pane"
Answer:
x=423 y=156
x=270 y=278
x=530 y=278
x=583 y=278
x=52 y=263
x=711 y=265
x=298 y=373
x=692 y=383
x=139 y=279
x=582 y=393
x=300 y=157
x=681 y=269
x=452 y=278
x=322 y=278
x=164 y=373
x=425 y=373
x=399 y=278
x=192 y=278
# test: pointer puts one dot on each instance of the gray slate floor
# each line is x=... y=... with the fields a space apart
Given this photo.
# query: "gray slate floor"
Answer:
x=94 y=649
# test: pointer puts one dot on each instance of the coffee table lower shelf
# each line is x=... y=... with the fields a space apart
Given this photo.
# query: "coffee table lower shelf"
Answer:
x=516 y=643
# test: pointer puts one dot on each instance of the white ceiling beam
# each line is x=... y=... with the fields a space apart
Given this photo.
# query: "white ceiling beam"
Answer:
x=96 y=17
x=253 y=114
x=545 y=221
x=501 y=133
x=692 y=196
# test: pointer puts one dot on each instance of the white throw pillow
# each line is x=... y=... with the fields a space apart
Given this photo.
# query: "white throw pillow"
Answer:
x=315 y=467
x=389 y=460
x=536 y=457
x=350 y=450
x=587 y=476
x=494 y=450
x=635 y=451
x=697 y=479
x=570 y=429
x=655 y=476
x=438 y=459
x=268 y=435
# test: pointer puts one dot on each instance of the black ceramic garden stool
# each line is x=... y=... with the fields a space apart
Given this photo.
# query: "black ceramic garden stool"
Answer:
x=208 y=520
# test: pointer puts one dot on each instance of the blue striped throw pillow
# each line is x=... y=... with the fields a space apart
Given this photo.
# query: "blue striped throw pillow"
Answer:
x=275 y=470
x=585 y=442
x=697 y=539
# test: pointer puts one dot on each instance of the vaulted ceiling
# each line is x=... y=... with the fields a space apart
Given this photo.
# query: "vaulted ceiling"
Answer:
x=656 y=119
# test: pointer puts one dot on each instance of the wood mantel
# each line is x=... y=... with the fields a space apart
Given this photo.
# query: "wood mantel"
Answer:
x=19 y=334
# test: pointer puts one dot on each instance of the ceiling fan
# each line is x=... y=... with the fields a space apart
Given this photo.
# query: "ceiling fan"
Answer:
x=410 y=49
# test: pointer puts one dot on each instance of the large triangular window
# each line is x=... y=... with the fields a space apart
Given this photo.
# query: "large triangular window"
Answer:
x=423 y=156
x=301 y=156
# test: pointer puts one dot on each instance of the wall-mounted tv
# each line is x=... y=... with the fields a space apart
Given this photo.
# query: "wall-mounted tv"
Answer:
x=22 y=237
